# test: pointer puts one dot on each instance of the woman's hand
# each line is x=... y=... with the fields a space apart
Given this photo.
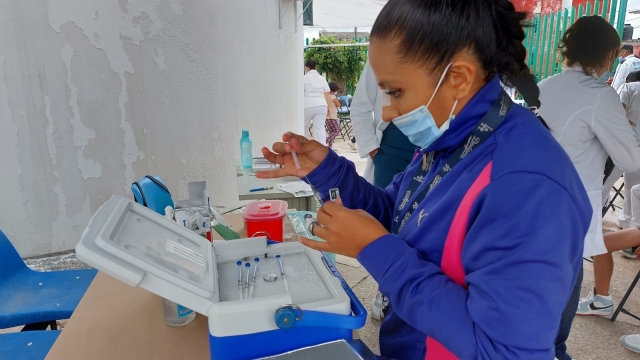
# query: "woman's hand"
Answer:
x=310 y=154
x=346 y=232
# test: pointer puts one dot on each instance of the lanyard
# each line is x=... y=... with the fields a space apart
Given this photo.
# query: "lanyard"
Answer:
x=489 y=122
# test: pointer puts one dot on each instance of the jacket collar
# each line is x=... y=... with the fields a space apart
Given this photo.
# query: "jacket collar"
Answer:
x=468 y=118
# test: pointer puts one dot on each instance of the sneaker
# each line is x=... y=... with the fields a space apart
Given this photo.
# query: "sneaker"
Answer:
x=377 y=306
x=624 y=224
x=595 y=305
x=629 y=253
x=631 y=342
x=351 y=145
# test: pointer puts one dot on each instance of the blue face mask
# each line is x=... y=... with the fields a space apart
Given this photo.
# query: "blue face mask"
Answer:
x=419 y=125
x=605 y=76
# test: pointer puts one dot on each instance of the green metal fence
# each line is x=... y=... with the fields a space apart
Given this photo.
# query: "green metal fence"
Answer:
x=543 y=32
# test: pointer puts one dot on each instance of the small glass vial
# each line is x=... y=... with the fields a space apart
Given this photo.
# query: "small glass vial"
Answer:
x=176 y=314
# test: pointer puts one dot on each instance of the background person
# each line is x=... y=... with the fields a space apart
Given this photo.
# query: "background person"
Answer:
x=465 y=243
x=628 y=64
x=317 y=97
x=630 y=98
x=387 y=149
x=587 y=119
x=599 y=301
x=333 y=124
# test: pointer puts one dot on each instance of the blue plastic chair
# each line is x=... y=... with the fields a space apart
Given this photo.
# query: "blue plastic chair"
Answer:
x=29 y=345
x=29 y=297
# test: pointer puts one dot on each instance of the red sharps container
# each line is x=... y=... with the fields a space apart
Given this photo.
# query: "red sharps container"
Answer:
x=265 y=218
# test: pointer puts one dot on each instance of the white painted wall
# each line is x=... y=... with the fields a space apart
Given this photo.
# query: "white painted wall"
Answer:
x=95 y=94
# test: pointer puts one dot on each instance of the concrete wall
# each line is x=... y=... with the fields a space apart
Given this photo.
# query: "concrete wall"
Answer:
x=95 y=94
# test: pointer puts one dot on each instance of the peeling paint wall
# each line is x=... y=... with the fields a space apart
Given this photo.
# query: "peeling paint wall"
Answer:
x=95 y=94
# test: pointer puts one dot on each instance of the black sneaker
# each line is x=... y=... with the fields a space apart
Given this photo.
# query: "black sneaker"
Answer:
x=629 y=253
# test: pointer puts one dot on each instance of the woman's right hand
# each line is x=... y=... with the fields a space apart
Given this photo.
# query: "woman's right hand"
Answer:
x=310 y=154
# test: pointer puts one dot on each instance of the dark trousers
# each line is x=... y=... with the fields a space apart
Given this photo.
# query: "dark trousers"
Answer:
x=395 y=153
x=567 y=319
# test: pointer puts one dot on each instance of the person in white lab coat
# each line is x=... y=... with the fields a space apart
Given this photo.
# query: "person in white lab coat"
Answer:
x=599 y=302
x=630 y=98
x=586 y=117
x=387 y=150
x=628 y=64
x=317 y=98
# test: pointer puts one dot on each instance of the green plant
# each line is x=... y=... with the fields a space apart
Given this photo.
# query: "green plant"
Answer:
x=343 y=64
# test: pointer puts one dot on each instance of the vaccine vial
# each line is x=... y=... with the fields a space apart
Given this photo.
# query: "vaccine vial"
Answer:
x=176 y=314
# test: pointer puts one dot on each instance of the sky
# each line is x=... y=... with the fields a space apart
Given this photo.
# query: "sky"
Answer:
x=362 y=13
x=633 y=19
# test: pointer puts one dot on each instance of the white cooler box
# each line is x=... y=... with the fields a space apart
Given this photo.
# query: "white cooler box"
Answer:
x=141 y=248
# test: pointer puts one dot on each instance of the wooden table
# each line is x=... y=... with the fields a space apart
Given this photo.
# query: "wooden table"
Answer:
x=246 y=181
x=117 y=321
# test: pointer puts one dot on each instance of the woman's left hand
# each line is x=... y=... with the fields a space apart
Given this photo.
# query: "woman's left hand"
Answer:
x=346 y=232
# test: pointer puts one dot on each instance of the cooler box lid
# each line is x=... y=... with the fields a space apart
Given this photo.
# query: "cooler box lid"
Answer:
x=265 y=210
x=142 y=248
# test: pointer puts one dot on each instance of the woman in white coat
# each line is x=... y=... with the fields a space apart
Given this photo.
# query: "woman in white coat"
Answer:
x=317 y=99
x=586 y=117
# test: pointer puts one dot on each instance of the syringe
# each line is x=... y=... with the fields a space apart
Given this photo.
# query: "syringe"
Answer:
x=297 y=162
x=295 y=157
x=253 y=278
x=282 y=275
x=239 y=263
x=246 y=284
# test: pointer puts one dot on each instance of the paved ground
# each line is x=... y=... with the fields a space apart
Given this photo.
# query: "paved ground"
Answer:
x=591 y=337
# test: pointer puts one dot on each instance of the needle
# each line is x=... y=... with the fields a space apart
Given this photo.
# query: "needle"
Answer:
x=295 y=157
x=239 y=263
x=246 y=284
x=282 y=275
x=253 y=278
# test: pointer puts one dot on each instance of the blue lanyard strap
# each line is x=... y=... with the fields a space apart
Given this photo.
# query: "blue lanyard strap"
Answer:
x=487 y=125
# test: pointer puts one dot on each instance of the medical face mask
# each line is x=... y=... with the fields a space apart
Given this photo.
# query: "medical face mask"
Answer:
x=419 y=125
x=605 y=76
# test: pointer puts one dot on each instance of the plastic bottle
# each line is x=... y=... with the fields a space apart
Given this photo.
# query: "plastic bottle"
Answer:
x=175 y=314
x=246 y=152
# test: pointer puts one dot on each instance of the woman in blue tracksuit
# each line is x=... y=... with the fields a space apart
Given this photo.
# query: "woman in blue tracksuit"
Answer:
x=478 y=243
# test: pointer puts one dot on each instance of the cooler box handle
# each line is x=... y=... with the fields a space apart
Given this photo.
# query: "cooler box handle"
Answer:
x=321 y=319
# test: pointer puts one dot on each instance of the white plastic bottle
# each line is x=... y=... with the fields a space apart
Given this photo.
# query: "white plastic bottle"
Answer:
x=176 y=314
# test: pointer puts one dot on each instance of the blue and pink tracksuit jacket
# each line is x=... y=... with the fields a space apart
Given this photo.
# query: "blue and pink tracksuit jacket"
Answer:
x=486 y=264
